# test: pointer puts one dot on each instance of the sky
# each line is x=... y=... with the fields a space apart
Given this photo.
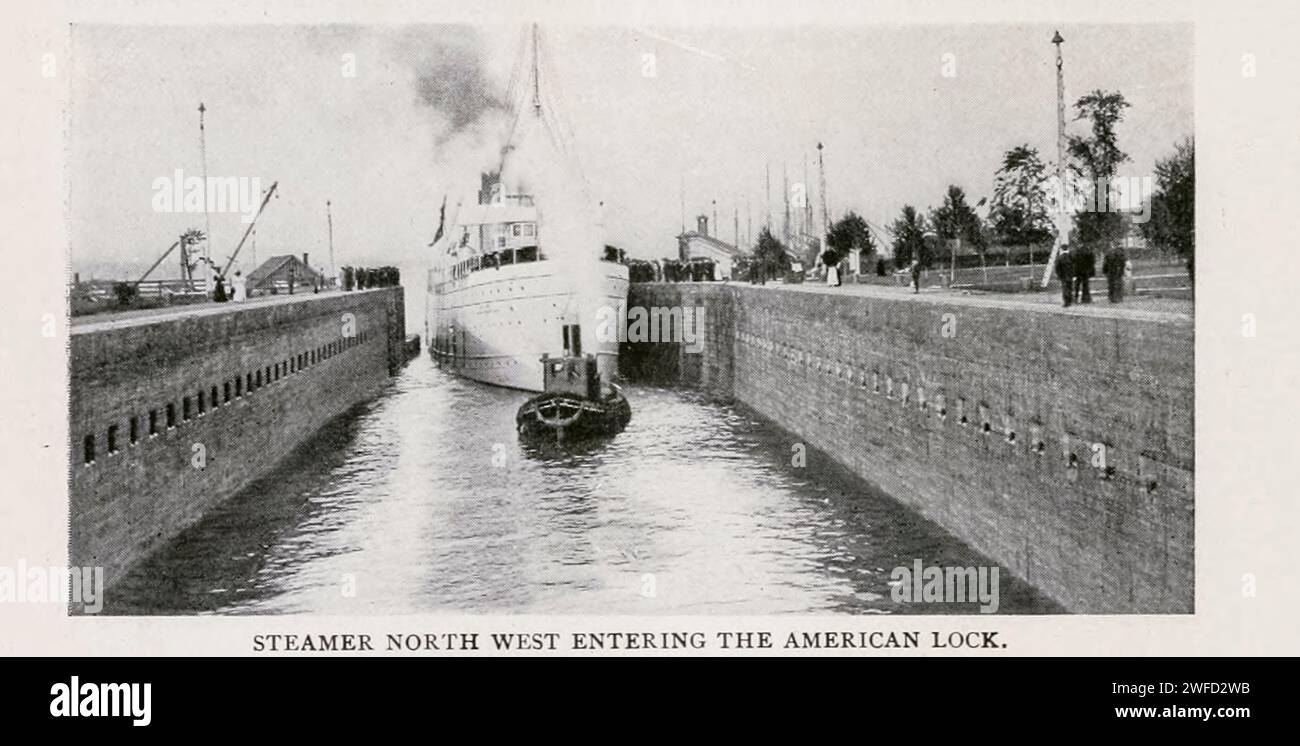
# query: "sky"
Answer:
x=384 y=121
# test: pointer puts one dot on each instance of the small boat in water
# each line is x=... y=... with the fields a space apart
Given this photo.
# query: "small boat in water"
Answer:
x=574 y=402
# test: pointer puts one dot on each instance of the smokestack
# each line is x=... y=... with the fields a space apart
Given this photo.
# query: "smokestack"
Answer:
x=304 y=259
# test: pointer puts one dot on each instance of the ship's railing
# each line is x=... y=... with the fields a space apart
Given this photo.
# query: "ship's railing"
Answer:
x=495 y=260
x=104 y=289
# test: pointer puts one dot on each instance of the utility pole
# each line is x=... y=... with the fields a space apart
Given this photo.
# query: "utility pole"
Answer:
x=329 y=221
x=207 y=221
x=717 y=229
x=1062 y=227
x=821 y=176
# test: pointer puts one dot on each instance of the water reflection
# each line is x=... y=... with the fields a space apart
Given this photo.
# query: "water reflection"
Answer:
x=425 y=500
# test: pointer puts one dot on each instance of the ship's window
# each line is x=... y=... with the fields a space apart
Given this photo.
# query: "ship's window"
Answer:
x=201 y=407
x=239 y=387
x=213 y=394
x=501 y=242
x=516 y=229
x=153 y=422
x=529 y=229
x=185 y=408
x=171 y=415
x=257 y=381
x=135 y=429
x=277 y=372
x=112 y=439
x=88 y=449
x=225 y=392
x=526 y=254
x=250 y=385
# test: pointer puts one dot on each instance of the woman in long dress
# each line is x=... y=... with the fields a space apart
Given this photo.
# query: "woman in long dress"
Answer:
x=241 y=287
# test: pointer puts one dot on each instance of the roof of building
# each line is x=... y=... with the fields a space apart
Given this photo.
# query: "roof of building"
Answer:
x=277 y=263
x=714 y=242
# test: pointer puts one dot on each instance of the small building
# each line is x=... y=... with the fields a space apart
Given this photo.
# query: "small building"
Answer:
x=699 y=244
x=284 y=274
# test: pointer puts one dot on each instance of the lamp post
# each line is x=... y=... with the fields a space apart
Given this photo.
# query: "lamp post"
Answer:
x=1062 y=230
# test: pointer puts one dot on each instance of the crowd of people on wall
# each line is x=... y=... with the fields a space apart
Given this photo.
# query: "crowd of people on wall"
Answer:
x=698 y=269
x=364 y=278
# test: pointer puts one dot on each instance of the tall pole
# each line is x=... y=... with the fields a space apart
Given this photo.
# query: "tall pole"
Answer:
x=185 y=265
x=806 y=213
x=537 y=95
x=329 y=221
x=749 y=223
x=785 y=191
x=717 y=229
x=207 y=221
x=821 y=176
x=683 y=194
x=767 y=194
x=1062 y=229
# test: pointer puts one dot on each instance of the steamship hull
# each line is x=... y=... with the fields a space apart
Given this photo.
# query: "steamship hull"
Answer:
x=494 y=325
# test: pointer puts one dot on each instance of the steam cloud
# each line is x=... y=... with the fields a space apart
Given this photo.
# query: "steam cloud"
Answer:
x=452 y=80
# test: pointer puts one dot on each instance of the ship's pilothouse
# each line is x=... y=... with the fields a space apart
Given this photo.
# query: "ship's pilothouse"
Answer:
x=497 y=233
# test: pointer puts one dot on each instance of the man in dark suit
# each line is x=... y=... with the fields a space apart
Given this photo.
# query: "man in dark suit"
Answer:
x=1113 y=267
x=1065 y=273
x=1085 y=266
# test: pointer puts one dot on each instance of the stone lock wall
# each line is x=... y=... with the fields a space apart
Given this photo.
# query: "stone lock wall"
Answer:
x=1060 y=445
x=270 y=375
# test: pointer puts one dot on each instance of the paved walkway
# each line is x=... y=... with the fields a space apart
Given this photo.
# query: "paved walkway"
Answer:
x=103 y=321
x=1164 y=310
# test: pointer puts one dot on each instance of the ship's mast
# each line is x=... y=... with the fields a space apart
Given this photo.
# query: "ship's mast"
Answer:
x=537 y=96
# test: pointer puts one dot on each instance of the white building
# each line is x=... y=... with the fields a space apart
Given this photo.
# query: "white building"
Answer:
x=699 y=244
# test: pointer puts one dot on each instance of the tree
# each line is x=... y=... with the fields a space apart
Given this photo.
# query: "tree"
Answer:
x=909 y=238
x=954 y=219
x=1096 y=158
x=770 y=256
x=1173 y=205
x=848 y=234
x=1020 y=215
